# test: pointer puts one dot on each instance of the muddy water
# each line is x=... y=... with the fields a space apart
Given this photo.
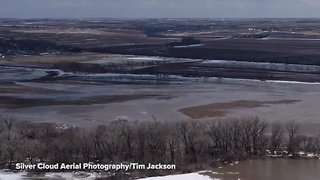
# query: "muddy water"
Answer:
x=272 y=169
x=160 y=100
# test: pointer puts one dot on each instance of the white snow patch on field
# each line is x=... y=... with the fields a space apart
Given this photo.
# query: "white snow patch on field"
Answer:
x=150 y=58
x=191 y=176
x=11 y=176
x=62 y=176
x=186 y=46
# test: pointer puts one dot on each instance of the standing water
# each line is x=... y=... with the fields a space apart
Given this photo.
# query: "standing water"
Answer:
x=272 y=169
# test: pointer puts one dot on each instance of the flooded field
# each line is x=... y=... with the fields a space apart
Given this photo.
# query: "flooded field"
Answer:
x=9 y=74
x=89 y=99
x=275 y=169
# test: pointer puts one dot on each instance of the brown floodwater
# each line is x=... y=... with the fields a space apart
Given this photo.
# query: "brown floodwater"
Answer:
x=272 y=169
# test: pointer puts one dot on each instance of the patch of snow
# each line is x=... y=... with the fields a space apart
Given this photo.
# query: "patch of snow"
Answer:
x=263 y=65
x=192 y=45
x=11 y=176
x=311 y=155
x=293 y=82
x=63 y=176
x=44 y=54
x=190 y=176
x=290 y=39
x=150 y=58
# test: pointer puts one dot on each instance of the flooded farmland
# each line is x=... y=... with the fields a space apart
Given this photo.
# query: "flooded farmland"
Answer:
x=89 y=99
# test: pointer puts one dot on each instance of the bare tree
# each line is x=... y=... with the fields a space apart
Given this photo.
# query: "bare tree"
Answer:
x=174 y=141
x=189 y=134
x=9 y=123
x=293 y=137
x=32 y=149
x=277 y=136
x=11 y=147
x=156 y=141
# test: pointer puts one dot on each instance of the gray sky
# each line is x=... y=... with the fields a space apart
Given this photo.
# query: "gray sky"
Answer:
x=158 y=8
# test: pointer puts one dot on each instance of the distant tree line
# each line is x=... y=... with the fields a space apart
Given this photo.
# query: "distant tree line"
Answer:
x=12 y=47
x=183 y=143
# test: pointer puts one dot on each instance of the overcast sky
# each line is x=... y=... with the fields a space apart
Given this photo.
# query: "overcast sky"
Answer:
x=158 y=8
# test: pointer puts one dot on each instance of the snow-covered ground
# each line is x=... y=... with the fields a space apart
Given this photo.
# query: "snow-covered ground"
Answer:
x=186 y=46
x=11 y=176
x=91 y=176
x=190 y=176
x=263 y=65
x=63 y=176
